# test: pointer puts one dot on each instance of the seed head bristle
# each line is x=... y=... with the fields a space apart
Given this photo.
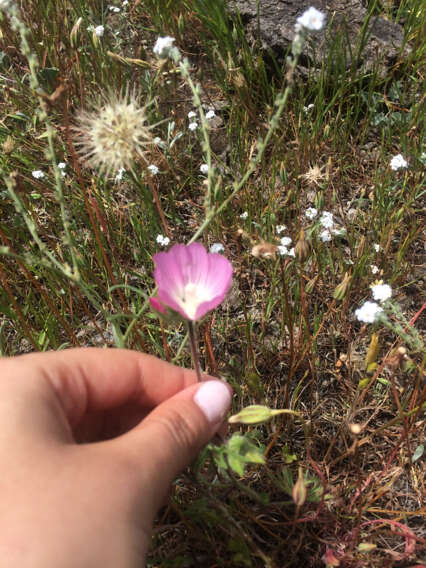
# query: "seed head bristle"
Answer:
x=109 y=137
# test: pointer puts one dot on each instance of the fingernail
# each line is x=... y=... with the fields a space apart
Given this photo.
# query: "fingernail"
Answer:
x=213 y=398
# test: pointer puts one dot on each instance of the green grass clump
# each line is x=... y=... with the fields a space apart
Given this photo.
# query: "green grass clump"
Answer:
x=76 y=262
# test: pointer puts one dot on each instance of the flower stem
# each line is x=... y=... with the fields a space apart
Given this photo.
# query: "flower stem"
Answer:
x=194 y=349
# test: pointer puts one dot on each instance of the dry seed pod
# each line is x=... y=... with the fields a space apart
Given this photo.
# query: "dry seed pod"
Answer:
x=264 y=250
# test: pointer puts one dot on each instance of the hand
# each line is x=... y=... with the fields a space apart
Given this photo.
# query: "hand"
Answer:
x=139 y=421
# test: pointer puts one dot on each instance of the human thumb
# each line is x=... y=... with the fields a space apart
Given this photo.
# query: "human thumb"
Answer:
x=170 y=437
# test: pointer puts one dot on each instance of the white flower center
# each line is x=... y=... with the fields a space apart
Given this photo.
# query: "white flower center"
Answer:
x=191 y=297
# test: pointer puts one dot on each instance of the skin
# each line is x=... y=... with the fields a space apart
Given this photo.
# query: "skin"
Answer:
x=90 y=441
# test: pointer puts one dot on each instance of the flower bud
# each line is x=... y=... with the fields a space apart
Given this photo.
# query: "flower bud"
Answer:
x=302 y=249
x=256 y=414
x=299 y=491
x=342 y=288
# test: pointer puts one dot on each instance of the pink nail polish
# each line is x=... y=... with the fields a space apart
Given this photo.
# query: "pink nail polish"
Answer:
x=214 y=399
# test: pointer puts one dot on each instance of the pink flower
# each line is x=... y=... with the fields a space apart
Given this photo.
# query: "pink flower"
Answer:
x=190 y=280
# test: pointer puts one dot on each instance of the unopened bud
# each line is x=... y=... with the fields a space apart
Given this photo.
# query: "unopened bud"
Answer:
x=256 y=414
x=373 y=351
x=302 y=249
x=311 y=284
x=342 y=288
x=361 y=247
x=299 y=491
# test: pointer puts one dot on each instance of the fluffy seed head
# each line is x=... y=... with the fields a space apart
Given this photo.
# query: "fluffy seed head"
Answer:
x=110 y=137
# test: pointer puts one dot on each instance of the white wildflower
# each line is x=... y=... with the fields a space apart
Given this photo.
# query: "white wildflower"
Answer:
x=325 y=236
x=162 y=240
x=114 y=9
x=217 y=248
x=210 y=114
x=6 y=4
x=163 y=46
x=119 y=175
x=204 y=169
x=153 y=169
x=306 y=109
x=99 y=31
x=125 y=3
x=244 y=215
x=398 y=162
x=368 y=312
x=280 y=229
x=285 y=241
x=193 y=126
x=38 y=174
x=376 y=247
x=381 y=292
x=374 y=269
x=284 y=251
x=311 y=212
x=62 y=165
x=327 y=220
x=191 y=114
x=312 y=20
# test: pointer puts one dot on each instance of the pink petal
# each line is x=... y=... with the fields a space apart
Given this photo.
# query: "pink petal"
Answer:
x=156 y=305
x=192 y=264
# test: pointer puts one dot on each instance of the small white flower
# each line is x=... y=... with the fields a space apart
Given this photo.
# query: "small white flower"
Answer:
x=158 y=142
x=119 y=175
x=125 y=2
x=285 y=241
x=204 y=169
x=376 y=247
x=284 y=251
x=163 y=46
x=191 y=114
x=210 y=114
x=6 y=4
x=193 y=126
x=381 y=292
x=325 y=236
x=114 y=9
x=62 y=165
x=374 y=269
x=327 y=220
x=99 y=31
x=368 y=312
x=244 y=215
x=280 y=229
x=217 y=248
x=398 y=162
x=153 y=169
x=312 y=19
x=38 y=174
x=308 y=108
x=311 y=212
x=162 y=240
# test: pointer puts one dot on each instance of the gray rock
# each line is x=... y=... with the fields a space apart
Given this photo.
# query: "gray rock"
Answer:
x=274 y=27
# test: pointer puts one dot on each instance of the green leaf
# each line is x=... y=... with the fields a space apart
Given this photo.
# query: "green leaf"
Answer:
x=241 y=451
